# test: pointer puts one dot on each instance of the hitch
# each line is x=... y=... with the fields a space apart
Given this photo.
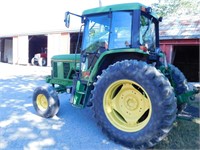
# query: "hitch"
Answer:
x=190 y=113
x=187 y=97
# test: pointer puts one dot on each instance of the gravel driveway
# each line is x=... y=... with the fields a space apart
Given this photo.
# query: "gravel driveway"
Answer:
x=22 y=128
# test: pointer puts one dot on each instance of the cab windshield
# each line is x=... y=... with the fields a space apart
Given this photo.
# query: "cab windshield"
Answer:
x=96 y=33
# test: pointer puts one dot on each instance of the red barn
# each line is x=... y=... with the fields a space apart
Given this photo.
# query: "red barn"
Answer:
x=180 y=40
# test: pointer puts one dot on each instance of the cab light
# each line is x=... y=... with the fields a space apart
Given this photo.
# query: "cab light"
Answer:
x=85 y=74
x=144 y=48
x=143 y=9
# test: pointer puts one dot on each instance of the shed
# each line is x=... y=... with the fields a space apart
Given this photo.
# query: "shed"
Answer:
x=180 y=40
x=21 y=48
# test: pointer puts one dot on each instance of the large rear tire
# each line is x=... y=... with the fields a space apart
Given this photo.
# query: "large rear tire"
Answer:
x=46 y=101
x=134 y=104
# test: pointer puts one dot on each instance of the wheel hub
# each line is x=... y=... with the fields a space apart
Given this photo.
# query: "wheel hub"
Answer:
x=131 y=104
x=125 y=103
x=42 y=102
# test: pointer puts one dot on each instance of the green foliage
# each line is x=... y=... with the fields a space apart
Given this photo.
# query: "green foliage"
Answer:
x=177 y=7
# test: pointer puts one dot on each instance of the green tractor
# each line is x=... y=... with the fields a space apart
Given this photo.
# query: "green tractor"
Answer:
x=121 y=73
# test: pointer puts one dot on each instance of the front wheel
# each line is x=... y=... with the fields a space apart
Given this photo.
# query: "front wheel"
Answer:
x=45 y=101
x=134 y=104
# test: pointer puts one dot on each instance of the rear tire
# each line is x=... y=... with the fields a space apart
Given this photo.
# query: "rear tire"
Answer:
x=42 y=61
x=134 y=104
x=33 y=62
x=179 y=83
x=46 y=101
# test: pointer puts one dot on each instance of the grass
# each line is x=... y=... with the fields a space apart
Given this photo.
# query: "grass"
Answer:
x=184 y=135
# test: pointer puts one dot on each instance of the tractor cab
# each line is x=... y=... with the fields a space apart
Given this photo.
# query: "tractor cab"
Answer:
x=118 y=30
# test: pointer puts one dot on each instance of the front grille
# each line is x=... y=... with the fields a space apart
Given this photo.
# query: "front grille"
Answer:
x=66 y=68
x=55 y=70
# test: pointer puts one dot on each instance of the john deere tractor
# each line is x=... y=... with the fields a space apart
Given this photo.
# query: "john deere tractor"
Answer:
x=121 y=73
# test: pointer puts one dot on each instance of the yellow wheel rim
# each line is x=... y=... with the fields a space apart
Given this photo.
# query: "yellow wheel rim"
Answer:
x=42 y=102
x=127 y=105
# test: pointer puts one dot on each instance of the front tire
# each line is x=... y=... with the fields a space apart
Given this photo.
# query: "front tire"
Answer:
x=46 y=101
x=134 y=104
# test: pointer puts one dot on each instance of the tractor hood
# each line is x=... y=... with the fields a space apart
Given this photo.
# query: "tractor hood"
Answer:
x=66 y=58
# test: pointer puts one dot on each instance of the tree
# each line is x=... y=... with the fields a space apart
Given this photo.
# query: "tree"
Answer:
x=167 y=8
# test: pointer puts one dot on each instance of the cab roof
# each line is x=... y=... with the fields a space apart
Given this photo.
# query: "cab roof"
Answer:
x=116 y=7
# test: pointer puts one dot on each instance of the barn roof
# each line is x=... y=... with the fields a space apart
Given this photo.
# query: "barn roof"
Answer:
x=183 y=27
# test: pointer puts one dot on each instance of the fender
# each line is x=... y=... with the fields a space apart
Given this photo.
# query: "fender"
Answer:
x=108 y=58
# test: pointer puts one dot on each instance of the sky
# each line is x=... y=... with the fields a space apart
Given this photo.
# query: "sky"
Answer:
x=28 y=16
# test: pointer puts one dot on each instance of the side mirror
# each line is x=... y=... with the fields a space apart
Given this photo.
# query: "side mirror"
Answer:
x=149 y=9
x=160 y=19
x=67 y=19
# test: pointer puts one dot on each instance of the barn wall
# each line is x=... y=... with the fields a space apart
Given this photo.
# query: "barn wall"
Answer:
x=57 y=44
x=20 y=50
x=184 y=54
